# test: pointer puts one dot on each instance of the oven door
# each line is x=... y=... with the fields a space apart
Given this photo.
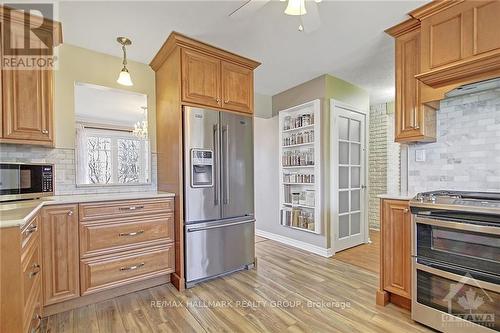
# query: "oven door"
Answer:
x=474 y=245
x=452 y=299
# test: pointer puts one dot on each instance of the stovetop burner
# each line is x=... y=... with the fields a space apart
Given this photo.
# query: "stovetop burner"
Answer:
x=457 y=201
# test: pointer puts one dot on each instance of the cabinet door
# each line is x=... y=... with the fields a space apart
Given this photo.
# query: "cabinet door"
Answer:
x=461 y=32
x=1 y=80
x=200 y=78
x=237 y=88
x=60 y=253
x=396 y=247
x=486 y=26
x=27 y=99
x=414 y=121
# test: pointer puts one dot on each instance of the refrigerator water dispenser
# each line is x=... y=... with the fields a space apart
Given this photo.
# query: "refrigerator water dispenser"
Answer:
x=202 y=168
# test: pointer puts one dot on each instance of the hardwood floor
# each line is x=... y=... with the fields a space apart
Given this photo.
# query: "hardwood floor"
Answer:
x=366 y=256
x=290 y=290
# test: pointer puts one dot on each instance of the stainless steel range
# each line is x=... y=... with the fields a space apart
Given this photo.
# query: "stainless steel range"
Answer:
x=456 y=261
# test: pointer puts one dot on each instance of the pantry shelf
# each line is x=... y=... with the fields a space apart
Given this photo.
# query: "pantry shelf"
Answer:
x=300 y=185
x=298 y=128
x=300 y=145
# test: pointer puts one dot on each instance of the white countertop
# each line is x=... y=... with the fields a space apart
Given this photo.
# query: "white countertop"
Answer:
x=16 y=214
x=397 y=196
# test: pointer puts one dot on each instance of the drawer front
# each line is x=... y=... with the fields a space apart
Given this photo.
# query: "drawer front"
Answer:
x=33 y=313
x=113 y=271
x=31 y=264
x=117 y=209
x=30 y=231
x=126 y=234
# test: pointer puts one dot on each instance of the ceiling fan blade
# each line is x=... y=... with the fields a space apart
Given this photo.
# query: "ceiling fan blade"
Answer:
x=311 y=21
x=248 y=8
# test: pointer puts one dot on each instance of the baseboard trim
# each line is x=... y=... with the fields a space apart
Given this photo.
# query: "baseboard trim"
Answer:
x=295 y=243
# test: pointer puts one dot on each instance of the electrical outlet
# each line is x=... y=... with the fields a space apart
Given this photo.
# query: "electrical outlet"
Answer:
x=419 y=155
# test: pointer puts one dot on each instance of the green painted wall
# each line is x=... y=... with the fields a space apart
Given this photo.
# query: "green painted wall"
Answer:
x=346 y=92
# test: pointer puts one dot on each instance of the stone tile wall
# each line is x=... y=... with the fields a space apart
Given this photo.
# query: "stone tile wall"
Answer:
x=64 y=161
x=466 y=155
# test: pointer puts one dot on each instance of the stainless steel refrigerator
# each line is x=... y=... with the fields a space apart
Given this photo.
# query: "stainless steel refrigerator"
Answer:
x=218 y=193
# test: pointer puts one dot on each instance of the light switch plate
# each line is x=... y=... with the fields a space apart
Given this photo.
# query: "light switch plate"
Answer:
x=419 y=155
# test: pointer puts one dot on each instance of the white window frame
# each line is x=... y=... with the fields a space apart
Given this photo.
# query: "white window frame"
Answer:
x=115 y=135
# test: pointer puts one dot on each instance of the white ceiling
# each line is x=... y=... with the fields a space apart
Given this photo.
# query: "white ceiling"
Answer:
x=102 y=105
x=350 y=43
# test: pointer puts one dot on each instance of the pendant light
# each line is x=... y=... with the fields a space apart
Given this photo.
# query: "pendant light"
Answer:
x=296 y=7
x=124 y=77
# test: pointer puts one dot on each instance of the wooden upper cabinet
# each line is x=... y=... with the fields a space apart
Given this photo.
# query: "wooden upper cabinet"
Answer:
x=396 y=247
x=1 y=79
x=61 y=279
x=460 y=41
x=28 y=94
x=209 y=76
x=201 y=78
x=414 y=121
x=237 y=87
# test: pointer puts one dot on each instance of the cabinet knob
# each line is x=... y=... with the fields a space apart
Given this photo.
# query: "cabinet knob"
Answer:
x=406 y=210
x=70 y=213
x=226 y=101
x=217 y=99
x=45 y=131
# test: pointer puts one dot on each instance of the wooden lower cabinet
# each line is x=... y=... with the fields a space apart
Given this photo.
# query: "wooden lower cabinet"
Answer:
x=20 y=276
x=61 y=276
x=395 y=253
x=107 y=272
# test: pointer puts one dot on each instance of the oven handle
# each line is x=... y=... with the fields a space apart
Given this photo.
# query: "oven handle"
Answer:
x=458 y=278
x=459 y=226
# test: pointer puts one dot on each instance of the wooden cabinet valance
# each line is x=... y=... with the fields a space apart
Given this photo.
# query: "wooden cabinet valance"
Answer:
x=460 y=41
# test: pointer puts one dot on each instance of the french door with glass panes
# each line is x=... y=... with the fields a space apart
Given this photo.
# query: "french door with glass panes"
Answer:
x=348 y=163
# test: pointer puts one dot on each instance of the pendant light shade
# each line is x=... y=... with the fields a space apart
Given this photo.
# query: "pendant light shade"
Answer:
x=124 y=77
x=296 y=7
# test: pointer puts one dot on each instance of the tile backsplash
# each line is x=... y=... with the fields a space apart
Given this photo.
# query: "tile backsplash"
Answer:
x=466 y=155
x=64 y=161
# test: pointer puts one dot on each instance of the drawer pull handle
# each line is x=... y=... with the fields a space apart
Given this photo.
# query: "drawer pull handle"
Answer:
x=131 y=208
x=35 y=270
x=70 y=213
x=132 y=268
x=45 y=131
x=136 y=233
x=38 y=318
x=31 y=230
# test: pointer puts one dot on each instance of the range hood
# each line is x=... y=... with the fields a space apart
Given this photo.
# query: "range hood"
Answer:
x=474 y=87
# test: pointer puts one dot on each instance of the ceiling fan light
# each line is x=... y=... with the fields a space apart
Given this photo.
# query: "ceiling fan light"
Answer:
x=124 y=78
x=296 y=7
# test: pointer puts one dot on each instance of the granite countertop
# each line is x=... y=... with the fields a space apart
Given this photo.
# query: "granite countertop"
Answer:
x=17 y=214
x=397 y=196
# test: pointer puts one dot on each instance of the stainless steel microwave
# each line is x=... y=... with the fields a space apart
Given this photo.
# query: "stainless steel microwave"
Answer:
x=25 y=181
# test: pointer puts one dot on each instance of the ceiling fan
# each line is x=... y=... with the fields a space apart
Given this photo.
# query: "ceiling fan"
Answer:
x=307 y=10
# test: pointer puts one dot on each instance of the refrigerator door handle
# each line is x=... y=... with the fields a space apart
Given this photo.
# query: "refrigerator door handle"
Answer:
x=216 y=164
x=219 y=226
x=225 y=130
